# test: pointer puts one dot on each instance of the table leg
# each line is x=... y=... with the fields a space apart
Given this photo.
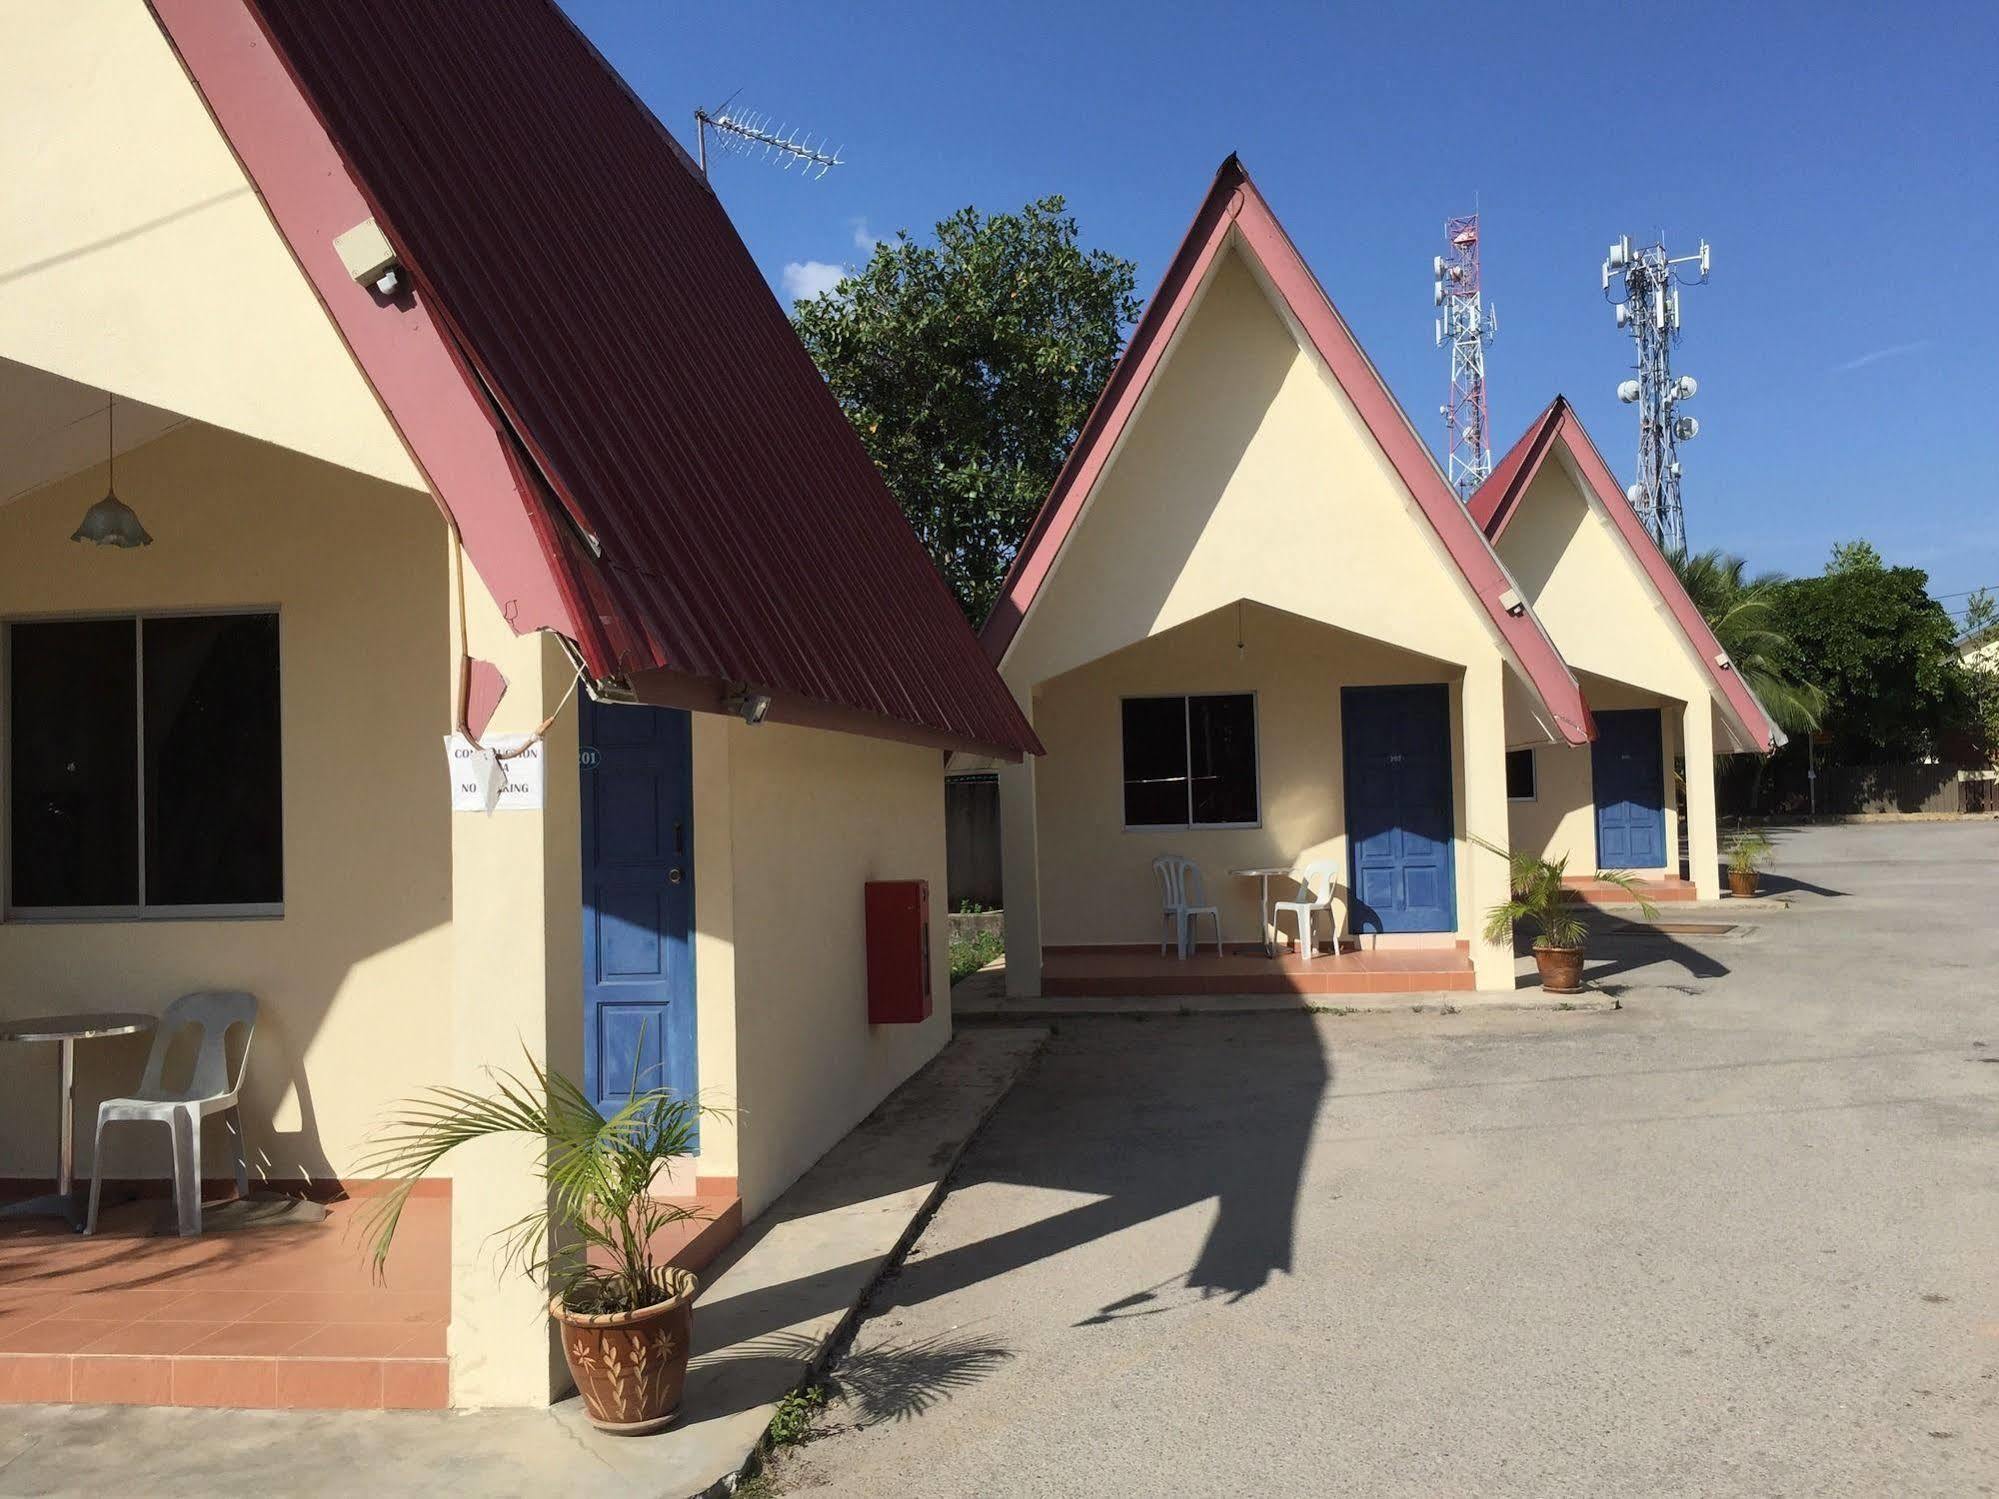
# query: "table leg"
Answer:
x=1269 y=943
x=66 y=1149
x=60 y=1203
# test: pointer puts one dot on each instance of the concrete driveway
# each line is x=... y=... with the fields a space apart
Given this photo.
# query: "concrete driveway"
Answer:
x=1739 y=1237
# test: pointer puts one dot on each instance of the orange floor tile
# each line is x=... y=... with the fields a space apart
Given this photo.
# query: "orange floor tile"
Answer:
x=1090 y=973
x=286 y=1317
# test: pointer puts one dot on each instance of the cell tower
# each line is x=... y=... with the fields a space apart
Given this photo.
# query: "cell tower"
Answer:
x=1465 y=324
x=1644 y=286
x=745 y=130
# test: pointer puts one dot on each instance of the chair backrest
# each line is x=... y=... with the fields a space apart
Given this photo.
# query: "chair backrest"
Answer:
x=1180 y=882
x=212 y=1012
x=1320 y=878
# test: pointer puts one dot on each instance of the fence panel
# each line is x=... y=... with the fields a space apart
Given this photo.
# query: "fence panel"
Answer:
x=972 y=840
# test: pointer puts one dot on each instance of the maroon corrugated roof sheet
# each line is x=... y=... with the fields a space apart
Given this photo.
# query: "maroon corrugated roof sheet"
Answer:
x=600 y=291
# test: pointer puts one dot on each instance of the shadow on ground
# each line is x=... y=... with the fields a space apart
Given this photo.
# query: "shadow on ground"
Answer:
x=1157 y=1154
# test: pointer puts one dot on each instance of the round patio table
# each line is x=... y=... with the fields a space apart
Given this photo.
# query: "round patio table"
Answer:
x=66 y=1031
x=1269 y=945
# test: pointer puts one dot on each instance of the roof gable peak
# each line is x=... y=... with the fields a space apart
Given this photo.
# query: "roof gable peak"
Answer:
x=1234 y=215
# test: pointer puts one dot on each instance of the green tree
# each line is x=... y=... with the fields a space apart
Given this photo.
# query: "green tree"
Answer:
x=1744 y=614
x=1883 y=651
x=967 y=366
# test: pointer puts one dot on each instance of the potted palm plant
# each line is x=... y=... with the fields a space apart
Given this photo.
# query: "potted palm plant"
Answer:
x=1746 y=852
x=624 y=1311
x=1540 y=902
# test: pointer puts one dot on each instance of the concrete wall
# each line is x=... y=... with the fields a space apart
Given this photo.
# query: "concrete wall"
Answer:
x=1246 y=475
x=1097 y=884
x=352 y=976
x=811 y=816
x=135 y=256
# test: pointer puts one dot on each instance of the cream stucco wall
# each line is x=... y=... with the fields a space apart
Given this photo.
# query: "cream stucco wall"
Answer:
x=1246 y=475
x=353 y=977
x=1608 y=621
x=1097 y=885
x=811 y=816
x=1560 y=821
x=136 y=257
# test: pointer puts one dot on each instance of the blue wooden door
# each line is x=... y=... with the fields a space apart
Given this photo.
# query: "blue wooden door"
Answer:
x=1627 y=772
x=638 y=902
x=1398 y=775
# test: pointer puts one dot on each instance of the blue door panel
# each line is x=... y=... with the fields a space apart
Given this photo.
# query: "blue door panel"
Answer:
x=1399 y=834
x=1628 y=779
x=638 y=902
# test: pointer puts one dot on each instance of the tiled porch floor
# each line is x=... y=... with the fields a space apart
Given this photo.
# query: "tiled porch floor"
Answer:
x=285 y=1316
x=1088 y=973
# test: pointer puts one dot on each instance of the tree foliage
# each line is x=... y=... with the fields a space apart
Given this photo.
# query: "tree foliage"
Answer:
x=1883 y=651
x=1745 y=614
x=967 y=366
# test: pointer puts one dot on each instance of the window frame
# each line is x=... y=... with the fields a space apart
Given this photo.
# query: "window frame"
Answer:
x=1533 y=775
x=1187 y=730
x=14 y=915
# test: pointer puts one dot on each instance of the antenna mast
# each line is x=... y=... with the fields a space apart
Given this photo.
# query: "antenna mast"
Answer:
x=746 y=130
x=1643 y=285
x=1465 y=323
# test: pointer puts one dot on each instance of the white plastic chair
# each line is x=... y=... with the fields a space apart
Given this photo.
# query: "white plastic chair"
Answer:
x=1183 y=900
x=210 y=1090
x=1320 y=880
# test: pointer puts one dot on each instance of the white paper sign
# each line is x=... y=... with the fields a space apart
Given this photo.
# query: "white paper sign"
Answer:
x=485 y=781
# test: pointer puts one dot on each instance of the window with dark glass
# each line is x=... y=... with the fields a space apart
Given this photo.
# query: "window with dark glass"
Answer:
x=144 y=765
x=1190 y=761
x=1520 y=775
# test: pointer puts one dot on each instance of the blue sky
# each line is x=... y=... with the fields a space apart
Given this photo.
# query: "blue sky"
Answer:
x=1843 y=160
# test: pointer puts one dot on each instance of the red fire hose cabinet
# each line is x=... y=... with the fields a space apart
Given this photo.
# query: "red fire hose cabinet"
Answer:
x=898 y=951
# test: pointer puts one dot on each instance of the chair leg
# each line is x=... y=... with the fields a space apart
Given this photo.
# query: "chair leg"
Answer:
x=96 y=1176
x=234 y=1120
x=187 y=1171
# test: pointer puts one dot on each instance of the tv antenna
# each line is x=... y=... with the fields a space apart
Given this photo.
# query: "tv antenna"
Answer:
x=746 y=130
x=1467 y=325
x=1643 y=285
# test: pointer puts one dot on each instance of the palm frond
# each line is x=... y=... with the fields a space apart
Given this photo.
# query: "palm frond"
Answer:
x=592 y=1242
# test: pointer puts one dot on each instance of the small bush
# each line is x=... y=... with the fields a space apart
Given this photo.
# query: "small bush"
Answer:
x=970 y=954
x=797 y=1416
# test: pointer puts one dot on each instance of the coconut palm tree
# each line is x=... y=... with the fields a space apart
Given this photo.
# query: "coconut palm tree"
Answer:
x=1744 y=614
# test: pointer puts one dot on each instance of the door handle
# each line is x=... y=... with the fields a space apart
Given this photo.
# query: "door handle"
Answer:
x=673 y=877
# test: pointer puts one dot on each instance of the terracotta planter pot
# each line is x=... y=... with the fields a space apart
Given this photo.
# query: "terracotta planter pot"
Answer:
x=630 y=1367
x=1561 y=969
x=1742 y=882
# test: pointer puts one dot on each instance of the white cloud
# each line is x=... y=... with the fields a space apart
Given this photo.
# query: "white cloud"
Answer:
x=1875 y=356
x=864 y=241
x=809 y=278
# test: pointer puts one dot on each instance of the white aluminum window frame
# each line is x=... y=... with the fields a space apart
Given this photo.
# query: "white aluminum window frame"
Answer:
x=1187 y=729
x=57 y=915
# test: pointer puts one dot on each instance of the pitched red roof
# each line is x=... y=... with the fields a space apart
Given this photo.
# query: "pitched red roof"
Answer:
x=589 y=334
x=1234 y=208
x=1498 y=500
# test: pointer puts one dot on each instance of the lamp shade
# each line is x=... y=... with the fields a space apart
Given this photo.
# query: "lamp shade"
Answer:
x=111 y=523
